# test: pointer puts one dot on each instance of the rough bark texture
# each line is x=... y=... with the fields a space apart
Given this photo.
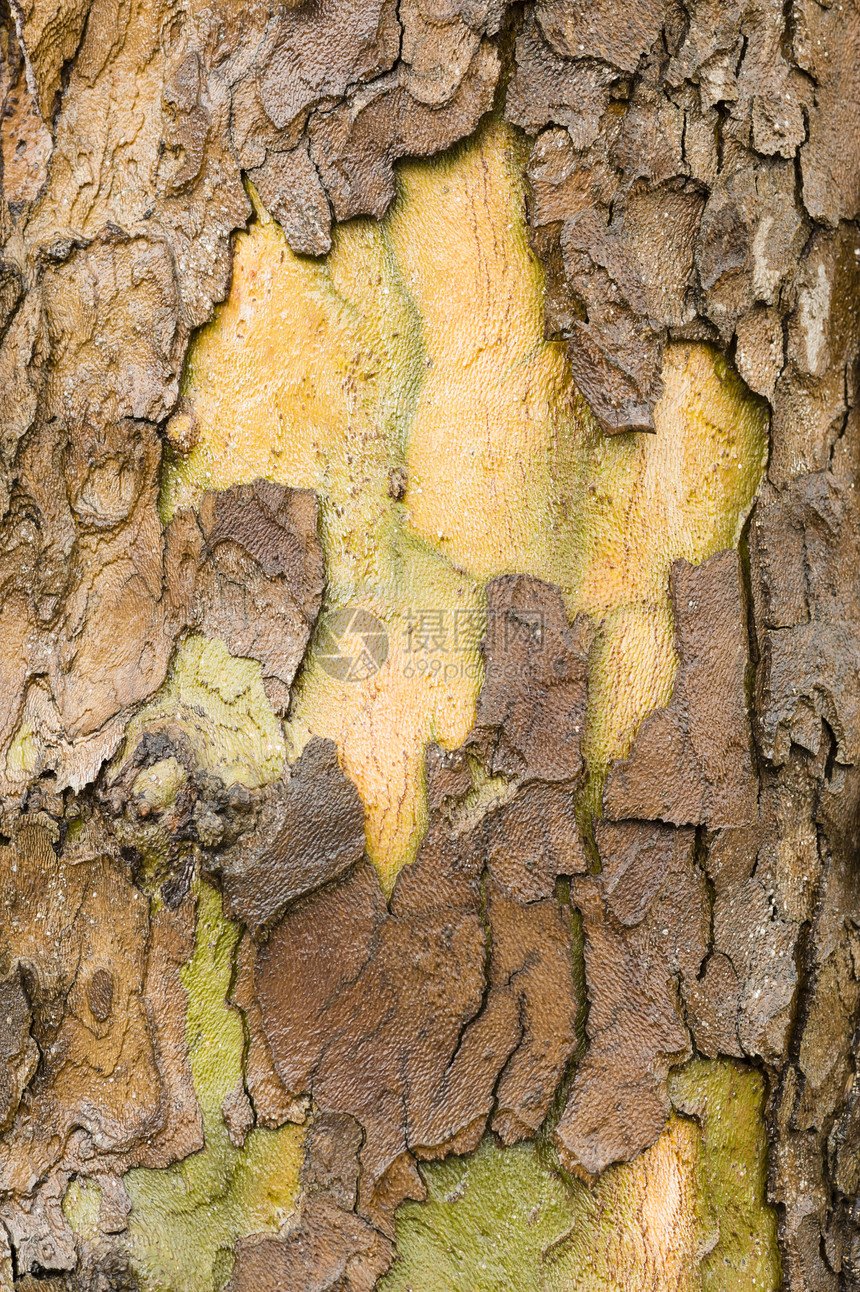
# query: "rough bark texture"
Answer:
x=694 y=174
x=474 y=930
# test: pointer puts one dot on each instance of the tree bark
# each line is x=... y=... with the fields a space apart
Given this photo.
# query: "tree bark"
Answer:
x=430 y=723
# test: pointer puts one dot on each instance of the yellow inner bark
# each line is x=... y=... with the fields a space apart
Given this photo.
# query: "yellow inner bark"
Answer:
x=415 y=352
x=406 y=379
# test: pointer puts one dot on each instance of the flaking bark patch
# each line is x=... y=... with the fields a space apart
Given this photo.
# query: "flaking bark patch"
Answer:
x=664 y=188
x=474 y=929
x=692 y=762
x=309 y=831
x=101 y=1082
x=645 y=920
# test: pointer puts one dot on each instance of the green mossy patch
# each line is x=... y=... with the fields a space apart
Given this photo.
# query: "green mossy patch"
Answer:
x=485 y=1226
x=506 y=1218
x=185 y=1220
x=217 y=701
x=727 y=1100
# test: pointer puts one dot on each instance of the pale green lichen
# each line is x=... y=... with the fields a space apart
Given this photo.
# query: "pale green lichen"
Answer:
x=217 y=702
x=159 y=784
x=81 y=1206
x=186 y=1219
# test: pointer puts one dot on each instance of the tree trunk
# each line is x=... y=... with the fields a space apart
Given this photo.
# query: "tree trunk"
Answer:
x=430 y=724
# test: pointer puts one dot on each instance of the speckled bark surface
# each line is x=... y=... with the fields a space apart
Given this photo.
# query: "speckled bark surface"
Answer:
x=641 y=848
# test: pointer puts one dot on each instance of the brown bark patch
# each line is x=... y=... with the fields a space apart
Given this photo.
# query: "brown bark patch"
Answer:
x=93 y=995
x=692 y=761
x=310 y=829
x=457 y=1003
x=645 y=923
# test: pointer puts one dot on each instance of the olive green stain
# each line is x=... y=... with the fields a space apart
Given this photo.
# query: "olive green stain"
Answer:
x=738 y=1225
x=505 y=1218
x=81 y=1207
x=217 y=702
x=186 y=1218
x=485 y=1225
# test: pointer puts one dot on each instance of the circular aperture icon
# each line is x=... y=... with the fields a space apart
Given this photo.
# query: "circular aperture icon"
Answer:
x=351 y=644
